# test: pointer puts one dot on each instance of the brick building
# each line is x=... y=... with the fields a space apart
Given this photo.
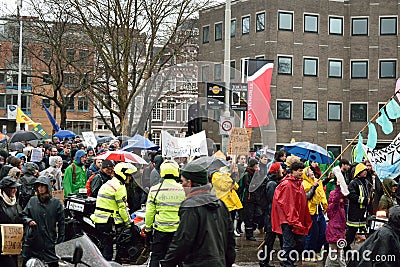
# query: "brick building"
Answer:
x=335 y=62
x=35 y=79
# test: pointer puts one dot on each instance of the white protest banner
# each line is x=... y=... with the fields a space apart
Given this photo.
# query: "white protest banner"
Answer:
x=11 y=238
x=385 y=161
x=36 y=155
x=174 y=147
x=90 y=139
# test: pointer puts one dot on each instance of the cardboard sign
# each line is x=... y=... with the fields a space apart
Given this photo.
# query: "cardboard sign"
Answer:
x=90 y=139
x=238 y=142
x=59 y=194
x=11 y=238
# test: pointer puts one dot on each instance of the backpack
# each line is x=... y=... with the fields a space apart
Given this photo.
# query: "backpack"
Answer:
x=26 y=191
x=88 y=182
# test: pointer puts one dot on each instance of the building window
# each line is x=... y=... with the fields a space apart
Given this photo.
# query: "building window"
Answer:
x=309 y=110
x=388 y=26
x=46 y=102
x=246 y=25
x=334 y=111
x=171 y=111
x=260 y=22
x=359 y=26
x=156 y=112
x=204 y=73
x=284 y=65
x=359 y=69
x=387 y=69
x=83 y=104
x=206 y=34
x=285 y=21
x=83 y=56
x=336 y=150
x=70 y=103
x=310 y=67
x=336 y=26
x=335 y=69
x=2 y=77
x=46 y=54
x=358 y=112
x=233 y=69
x=217 y=72
x=284 y=110
x=244 y=67
x=79 y=126
x=46 y=78
x=70 y=54
x=69 y=79
x=311 y=23
x=218 y=31
x=233 y=28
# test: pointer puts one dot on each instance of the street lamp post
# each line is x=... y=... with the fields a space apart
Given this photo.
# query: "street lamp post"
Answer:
x=19 y=60
x=227 y=64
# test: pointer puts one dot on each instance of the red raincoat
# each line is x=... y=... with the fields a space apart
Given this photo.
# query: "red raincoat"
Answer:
x=290 y=206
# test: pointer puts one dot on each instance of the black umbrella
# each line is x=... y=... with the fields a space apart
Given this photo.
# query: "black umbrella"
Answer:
x=16 y=146
x=24 y=136
x=211 y=163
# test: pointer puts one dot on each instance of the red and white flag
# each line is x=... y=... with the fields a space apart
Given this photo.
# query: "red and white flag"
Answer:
x=259 y=97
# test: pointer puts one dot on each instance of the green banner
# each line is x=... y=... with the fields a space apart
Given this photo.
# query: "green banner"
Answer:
x=39 y=129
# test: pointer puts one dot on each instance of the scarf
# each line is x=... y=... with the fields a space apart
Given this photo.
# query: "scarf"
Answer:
x=8 y=200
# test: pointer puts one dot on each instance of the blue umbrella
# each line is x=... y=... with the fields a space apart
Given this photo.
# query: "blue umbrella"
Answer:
x=105 y=139
x=139 y=142
x=64 y=134
x=309 y=151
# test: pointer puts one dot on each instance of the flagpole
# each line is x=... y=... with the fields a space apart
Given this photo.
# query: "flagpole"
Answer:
x=355 y=137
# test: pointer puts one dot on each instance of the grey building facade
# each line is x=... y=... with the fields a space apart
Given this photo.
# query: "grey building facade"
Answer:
x=335 y=62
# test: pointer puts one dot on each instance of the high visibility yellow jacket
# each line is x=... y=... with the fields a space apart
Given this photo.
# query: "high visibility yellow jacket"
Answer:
x=162 y=210
x=111 y=202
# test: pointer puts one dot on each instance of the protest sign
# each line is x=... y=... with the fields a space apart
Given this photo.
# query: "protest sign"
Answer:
x=11 y=238
x=238 y=142
x=195 y=145
x=385 y=161
x=90 y=139
x=36 y=155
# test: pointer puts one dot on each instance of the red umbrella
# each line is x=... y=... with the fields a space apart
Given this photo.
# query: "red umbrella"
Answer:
x=120 y=155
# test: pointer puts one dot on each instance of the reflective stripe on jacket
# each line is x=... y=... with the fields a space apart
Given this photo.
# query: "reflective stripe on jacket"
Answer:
x=111 y=202
x=162 y=210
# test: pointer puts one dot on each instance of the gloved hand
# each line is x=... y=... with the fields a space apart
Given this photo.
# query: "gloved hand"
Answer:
x=149 y=238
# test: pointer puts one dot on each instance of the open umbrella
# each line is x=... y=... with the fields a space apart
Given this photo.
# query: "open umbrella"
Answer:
x=309 y=151
x=121 y=156
x=20 y=136
x=139 y=142
x=211 y=163
x=16 y=146
x=64 y=134
x=105 y=139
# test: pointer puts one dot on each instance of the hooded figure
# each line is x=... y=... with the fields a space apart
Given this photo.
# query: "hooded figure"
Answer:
x=383 y=246
x=155 y=176
x=75 y=174
x=389 y=198
x=54 y=171
x=44 y=224
x=27 y=181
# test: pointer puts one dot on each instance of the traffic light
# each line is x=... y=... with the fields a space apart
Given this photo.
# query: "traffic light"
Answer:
x=194 y=123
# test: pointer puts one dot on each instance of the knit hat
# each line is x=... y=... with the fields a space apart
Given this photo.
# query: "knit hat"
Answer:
x=359 y=168
x=195 y=173
x=274 y=167
x=252 y=162
x=78 y=155
x=107 y=163
x=8 y=182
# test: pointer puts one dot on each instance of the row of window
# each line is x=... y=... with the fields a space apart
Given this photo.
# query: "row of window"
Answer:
x=83 y=103
x=358 y=68
x=168 y=111
x=358 y=111
x=359 y=25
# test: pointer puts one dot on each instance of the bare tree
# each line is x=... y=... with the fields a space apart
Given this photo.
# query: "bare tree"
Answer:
x=60 y=52
x=133 y=40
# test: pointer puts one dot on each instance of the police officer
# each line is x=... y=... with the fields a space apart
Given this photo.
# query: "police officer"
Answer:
x=162 y=208
x=111 y=206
